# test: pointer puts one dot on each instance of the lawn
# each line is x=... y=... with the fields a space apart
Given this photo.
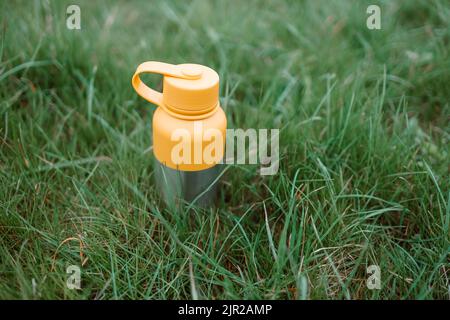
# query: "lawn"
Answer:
x=364 y=121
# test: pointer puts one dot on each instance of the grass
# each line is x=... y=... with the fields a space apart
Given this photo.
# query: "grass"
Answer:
x=364 y=146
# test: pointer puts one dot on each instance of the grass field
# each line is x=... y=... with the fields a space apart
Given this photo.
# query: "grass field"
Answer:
x=364 y=122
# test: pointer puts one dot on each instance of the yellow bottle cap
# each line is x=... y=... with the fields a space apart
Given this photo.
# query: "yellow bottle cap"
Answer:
x=190 y=91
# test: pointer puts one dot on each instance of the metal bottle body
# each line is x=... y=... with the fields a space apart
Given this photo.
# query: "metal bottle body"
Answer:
x=192 y=187
x=191 y=182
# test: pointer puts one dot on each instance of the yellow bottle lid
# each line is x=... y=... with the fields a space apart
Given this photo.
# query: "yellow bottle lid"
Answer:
x=190 y=91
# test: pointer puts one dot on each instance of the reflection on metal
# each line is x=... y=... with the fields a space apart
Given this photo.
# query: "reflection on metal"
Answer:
x=196 y=187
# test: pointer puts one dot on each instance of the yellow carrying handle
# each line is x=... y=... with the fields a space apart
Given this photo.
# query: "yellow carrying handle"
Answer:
x=166 y=69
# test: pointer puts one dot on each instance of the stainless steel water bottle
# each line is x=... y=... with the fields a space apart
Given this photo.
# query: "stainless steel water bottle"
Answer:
x=189 y=131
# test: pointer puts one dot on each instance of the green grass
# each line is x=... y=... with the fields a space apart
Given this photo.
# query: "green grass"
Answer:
x=364 y=146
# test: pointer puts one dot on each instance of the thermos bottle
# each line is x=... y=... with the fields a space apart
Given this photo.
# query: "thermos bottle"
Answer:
x=189 y=130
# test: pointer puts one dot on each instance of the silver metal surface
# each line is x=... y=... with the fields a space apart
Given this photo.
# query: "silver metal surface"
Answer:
x=196 y=187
